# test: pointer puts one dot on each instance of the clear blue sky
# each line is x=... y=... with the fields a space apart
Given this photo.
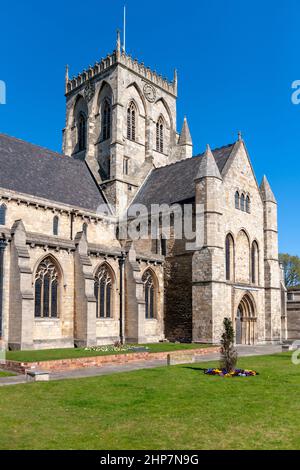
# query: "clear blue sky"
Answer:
x=236 y=62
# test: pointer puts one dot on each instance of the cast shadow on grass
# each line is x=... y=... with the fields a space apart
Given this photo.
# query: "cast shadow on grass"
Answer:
x=197 y=369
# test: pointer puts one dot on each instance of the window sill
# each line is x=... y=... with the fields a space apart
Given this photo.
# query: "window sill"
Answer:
x=244 y=211
x=105 y=319
x=102 y=141
x=160 y=153
x=44 y=319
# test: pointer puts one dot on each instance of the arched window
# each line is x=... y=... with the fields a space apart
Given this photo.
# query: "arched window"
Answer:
x=3 y=209
x=248 y=205
x=242 y=202
x=254 y=264
x=163 y=246
x=46 y=290
x=106 y=120
x=229 y=255
x=55 y=225
x=242 y=271
x=149 y=292
x=237 y=200
x=160 y=135
x=81 y=132
x=84 y=228
x=103 y=285
x=131 y=121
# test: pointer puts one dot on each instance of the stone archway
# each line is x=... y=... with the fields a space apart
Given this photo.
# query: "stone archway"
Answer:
x=246 y=322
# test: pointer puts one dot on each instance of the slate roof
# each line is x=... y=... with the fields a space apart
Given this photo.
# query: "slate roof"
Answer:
x=36 y=171
x=175 y=182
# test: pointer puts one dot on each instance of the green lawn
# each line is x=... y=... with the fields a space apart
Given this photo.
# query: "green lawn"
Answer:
x=5 y=374
x=164 y=408
x=52 y=354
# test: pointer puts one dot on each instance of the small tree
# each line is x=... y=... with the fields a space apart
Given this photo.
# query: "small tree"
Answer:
x=291 y=266
x=228 y=352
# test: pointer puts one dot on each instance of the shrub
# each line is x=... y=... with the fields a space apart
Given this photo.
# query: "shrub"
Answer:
x=228 y=352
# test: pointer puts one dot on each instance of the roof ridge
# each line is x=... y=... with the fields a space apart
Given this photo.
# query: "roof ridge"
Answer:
x=194 y=156
x=217 y=148
x=11 y=137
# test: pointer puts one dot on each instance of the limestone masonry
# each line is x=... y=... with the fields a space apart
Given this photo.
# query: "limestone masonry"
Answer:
x=67 y=277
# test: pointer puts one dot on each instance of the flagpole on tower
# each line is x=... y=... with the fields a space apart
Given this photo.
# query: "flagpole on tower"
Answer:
x=124 y=30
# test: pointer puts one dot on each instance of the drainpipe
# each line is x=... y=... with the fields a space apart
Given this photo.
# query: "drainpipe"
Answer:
x=3 y=244
x=121 y=266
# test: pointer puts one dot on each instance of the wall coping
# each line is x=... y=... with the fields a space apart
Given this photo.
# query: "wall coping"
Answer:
x=60 y=365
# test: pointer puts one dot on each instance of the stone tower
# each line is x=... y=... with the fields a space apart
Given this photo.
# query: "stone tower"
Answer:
x=208 y=259
x=121 y=118
x=272 y=268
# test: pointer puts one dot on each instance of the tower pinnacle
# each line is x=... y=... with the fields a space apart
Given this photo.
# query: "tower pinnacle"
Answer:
x=208 y=166
x=118 y=44
x=185 y=135
x=66 y=77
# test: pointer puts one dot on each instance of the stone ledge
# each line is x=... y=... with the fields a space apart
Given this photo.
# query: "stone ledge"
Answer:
x=98 y=361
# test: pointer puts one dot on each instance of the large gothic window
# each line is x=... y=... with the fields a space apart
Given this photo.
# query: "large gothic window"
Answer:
x=103 y=285
x=242 y=258
x=149 y=293
x=160 y=135
x=229 y=254
x=3 y=214
x=81 y=132
x=106 y=121
x=254 y=263
x=131 y=122
x=46 y=290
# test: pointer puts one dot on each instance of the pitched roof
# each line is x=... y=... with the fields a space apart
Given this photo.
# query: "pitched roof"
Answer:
x=176 y=182
x=36 y=171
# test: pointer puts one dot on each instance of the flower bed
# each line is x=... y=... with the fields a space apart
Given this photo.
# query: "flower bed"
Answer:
x=117 y=348
x=234 y=373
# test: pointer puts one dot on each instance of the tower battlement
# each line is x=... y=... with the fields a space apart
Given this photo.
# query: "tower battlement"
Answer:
x=118 y=57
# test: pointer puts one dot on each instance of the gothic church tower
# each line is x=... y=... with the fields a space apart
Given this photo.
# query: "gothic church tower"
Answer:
x=121 y=119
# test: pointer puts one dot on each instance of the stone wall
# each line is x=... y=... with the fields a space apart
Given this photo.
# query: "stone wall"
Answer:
x=293 y=314
x=178 y=297
x=77 y=321
x=99 y=361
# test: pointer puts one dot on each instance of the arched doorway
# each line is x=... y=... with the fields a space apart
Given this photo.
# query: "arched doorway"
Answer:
x=245 y=322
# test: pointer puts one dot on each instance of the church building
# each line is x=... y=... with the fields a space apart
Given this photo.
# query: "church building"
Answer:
x=69 y=278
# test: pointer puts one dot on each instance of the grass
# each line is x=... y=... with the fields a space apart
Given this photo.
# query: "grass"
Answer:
x=5 y=374
x=53 y=354
x=164 y=408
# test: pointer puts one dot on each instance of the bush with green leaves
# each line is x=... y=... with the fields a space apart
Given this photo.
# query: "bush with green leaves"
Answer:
x=228 y=352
